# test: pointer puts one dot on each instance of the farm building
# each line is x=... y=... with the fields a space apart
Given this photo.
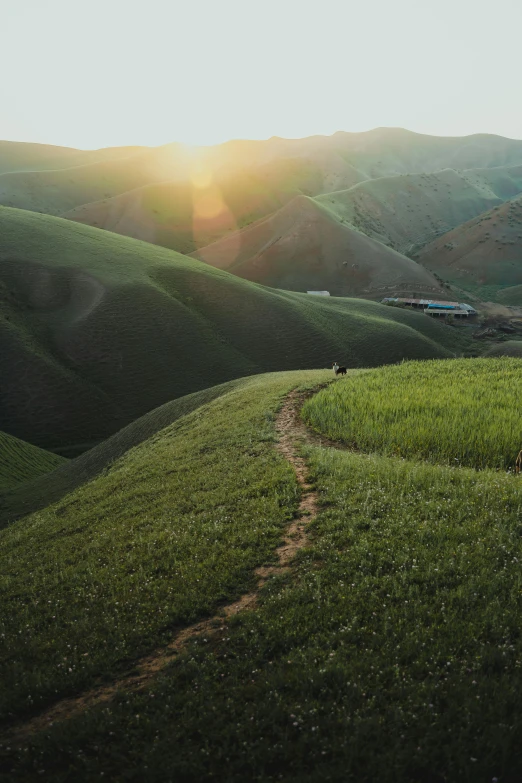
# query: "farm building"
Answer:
x=434 y=307
x=319 y=293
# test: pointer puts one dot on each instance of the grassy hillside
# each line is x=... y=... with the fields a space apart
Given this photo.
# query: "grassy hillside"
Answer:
x=509 y=348
x=109 y=174
x=305 y=246
x=385 y=152
x=339 y=162
x=510 y=296
x=409 y=210
x=483 y=252
x=455 y=412
x=504 y=181
x=239 y=173
x=22 y=156
x=97 y=329
x=193 y=510
x=391 y=651
x=22 y=462
x=17 y=501
x=188 y=215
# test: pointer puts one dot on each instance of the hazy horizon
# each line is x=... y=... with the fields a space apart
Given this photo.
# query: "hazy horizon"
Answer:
x=267 y=138
x=135 y=73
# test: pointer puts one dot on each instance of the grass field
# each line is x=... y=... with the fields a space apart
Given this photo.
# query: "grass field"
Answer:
x=39 y=491
x=170 y=530
x=463 y=412
x=96 y=329
x=21 y=462
x=392 y=652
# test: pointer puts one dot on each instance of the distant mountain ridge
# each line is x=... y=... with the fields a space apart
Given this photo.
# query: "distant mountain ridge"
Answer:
x=376 y=192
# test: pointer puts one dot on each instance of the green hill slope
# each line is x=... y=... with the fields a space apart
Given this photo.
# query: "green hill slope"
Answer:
x=199 y=491
x=510 y=296
x=386 y=152
x=22 y=156
x=305 y=246
x=340 y=161
x=504 y=181
x=387 y=650
x=511 y=348
x=20 y=462
x=97 y=329
x=483 y=253
x=39 y=492
x=190 y=214
x=409 y=210
x=59 y=190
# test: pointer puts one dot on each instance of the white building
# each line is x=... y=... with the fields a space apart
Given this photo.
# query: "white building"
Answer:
x=319 y=293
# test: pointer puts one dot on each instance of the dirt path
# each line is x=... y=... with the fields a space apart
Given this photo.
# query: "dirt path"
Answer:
x=292 y=433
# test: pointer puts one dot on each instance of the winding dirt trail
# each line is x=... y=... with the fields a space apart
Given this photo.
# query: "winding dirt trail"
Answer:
x=292 y=434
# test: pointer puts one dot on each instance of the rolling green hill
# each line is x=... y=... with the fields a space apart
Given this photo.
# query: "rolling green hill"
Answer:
x=388 y=649
x=39 y=491
x=305 y=246
x=510 y=296
x=59 y=190
x=511 y=348
x=339 y=162
x=22 y=156
x=483 y=254
x=97 y=329
x=408 y=211
x=385 y=152
x=21 y=462
x=504 y=181
x=196 y=491
x=190 y=214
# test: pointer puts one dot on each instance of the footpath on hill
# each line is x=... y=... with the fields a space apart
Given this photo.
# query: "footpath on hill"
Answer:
x=292 y=434
x=379 y=641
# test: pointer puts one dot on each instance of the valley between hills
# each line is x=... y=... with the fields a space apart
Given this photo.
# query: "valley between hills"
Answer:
x=220 y=561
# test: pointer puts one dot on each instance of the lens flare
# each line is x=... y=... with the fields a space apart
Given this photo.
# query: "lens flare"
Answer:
x=208 y=203
x=211 y=216
x=201 y=175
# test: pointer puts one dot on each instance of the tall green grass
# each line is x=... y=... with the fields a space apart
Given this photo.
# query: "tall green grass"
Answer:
x=456 y=412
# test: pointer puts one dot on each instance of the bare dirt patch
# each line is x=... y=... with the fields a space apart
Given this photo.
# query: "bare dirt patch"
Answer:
x=292 y=433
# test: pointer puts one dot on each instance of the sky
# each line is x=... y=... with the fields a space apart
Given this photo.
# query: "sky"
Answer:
x=124 y=72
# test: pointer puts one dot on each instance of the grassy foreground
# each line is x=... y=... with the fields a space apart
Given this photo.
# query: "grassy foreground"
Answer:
x=167 y=533
x=463 y=412
x=394 y=652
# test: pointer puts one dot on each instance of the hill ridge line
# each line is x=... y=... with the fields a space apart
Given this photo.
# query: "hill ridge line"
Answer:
x=292 y=433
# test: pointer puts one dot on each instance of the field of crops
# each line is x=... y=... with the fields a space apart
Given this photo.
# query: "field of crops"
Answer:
x=455 y=412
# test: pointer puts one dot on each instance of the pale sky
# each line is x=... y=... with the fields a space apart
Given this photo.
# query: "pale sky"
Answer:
x=98 y=73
